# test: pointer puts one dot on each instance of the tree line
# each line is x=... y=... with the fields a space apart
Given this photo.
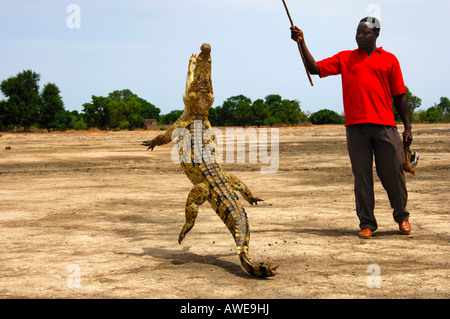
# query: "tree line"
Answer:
x=26 y=106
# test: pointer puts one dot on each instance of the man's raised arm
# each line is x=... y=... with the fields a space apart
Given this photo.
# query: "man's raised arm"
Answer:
x=297 y=34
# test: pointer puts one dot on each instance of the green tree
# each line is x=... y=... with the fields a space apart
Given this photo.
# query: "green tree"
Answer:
x=284 y=111
x=121 y=95
x=124 y=114
x=414 y=103
x=96 y=114
x=326 y=116
x=421 y=116
x=5 y=115
x=77 y=121
x=23 y=101
x=147 y=110
x=63 y=120
x=129 y=111
x=444 y=104
x=214 y=115
x=226 y=113
x=171 y=117
x=132 y=113
x=121 y=109
x=274 y=102
x=51 y=111
x=243 y=115
x=260 y=112
x=239 y=110
x=435 y=114
x=290 y=113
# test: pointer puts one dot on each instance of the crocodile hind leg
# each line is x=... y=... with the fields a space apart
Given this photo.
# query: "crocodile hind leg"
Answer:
x=197 y=196
x=238 y=185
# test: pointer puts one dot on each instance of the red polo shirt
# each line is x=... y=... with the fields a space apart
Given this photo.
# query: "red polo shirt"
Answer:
x=368 y=84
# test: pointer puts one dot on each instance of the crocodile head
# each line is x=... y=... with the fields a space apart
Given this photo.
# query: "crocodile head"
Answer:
x=198 y=97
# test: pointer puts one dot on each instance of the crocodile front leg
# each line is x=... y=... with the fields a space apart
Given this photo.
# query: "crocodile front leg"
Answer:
x=240 y=186
x=161 y=139
x=197 y=196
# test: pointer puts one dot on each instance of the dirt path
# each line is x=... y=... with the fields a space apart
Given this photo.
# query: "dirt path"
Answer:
x=93 y=215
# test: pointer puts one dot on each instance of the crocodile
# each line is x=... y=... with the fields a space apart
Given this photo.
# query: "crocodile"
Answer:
x=412 y=159
x=202 y=164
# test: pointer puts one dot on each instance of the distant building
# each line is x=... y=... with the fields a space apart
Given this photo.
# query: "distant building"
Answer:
x=149 y=124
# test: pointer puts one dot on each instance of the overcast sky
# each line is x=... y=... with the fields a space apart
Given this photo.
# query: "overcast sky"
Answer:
x=145 y=45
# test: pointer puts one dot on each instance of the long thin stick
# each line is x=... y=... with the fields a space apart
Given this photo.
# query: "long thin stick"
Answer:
x=299 y=46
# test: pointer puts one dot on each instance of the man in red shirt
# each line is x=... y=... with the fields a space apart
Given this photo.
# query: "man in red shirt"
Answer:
x=371 y=79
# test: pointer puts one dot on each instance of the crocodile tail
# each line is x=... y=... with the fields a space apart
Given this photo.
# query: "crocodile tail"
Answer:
x=261 y=271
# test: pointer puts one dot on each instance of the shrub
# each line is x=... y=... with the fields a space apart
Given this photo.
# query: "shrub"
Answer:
x=326 y=117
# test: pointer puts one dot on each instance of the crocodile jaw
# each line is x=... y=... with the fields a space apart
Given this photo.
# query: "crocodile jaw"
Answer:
x=198 y=97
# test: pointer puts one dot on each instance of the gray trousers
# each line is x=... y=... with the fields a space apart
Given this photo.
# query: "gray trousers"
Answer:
x=363 y=142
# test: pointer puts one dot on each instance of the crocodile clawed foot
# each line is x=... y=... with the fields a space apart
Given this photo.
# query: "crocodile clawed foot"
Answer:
x=183 y=233
x=149 y=144
x=255 y=200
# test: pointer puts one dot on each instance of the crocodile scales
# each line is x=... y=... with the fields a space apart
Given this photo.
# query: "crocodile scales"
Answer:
x=202 y=165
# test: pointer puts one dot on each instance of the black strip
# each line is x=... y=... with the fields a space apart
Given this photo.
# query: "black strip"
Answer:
x=220 y=198
x=227 y=212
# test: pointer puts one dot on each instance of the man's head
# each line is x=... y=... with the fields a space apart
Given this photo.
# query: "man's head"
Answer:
x=373 y=23
x=367 y=33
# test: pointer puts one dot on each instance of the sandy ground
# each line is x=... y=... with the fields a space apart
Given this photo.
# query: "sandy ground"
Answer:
x=94 y=215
